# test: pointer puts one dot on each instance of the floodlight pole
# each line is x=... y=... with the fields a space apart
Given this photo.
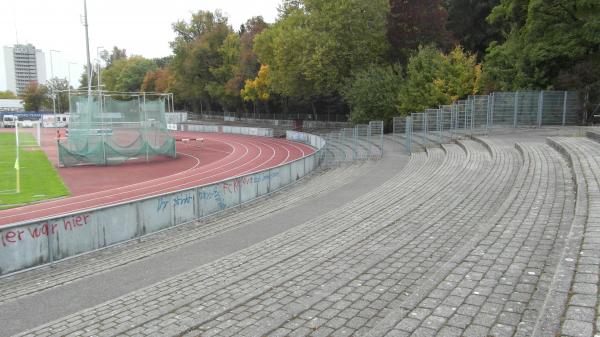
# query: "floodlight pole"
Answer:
x=87 y=46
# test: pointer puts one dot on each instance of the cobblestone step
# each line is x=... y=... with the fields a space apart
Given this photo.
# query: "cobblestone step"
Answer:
x=575 y=293
x=334 y=302
x=487 y=287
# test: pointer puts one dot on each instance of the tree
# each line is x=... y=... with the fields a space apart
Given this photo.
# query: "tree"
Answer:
x=83 y=79
x=35 y=96
x=467 y=23
x=7 y=95
x=434 y=79
x=197 y=51
x=257 y=90
x=58 y=86
x=316 y=45
x=226 y=76
x=159 y=80
x=544 y=39
x=372 y=93
x=412 y=23
x=111 y=57
x=126 y=75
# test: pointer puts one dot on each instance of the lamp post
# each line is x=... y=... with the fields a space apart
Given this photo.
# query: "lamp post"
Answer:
x=52 y=76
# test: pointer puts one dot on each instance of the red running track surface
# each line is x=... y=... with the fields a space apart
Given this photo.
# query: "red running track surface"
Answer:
x=228 y=156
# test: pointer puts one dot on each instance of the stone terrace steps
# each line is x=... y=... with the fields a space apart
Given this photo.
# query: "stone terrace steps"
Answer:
x=576 y=297
x=234 y=278
x=350 y=232
x=469 y=239
x=494 y=284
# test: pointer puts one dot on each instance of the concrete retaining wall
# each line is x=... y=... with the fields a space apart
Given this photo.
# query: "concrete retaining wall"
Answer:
x=236 y=130
x=27 y=245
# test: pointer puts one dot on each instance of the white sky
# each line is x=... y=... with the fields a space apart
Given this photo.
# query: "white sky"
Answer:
x=142 y=27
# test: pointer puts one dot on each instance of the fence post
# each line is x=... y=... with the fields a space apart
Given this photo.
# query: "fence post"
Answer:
x=472 y=114
x=564 y=116
x=408 y=132
x=492 y=109
x=425 y=122
x=540 y=109
x=440 y=124
x=516 y=108
x=381 y=138
x=355 y=142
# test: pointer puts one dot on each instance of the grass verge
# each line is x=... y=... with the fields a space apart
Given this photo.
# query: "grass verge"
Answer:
x=38 y=178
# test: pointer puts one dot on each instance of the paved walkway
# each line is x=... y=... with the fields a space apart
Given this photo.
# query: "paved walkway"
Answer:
x=488 y=237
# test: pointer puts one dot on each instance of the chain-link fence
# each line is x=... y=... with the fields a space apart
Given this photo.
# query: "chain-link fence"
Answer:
x=480 y=114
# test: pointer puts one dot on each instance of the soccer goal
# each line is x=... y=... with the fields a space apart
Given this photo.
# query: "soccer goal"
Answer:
x=24 y=137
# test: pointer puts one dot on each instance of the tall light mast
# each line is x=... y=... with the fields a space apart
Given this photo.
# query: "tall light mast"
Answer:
x=87 y=45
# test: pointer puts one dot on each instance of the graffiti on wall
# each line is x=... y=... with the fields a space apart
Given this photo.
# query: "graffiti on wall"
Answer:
x=14 y=236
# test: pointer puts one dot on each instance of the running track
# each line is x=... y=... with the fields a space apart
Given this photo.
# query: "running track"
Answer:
x=244 y=155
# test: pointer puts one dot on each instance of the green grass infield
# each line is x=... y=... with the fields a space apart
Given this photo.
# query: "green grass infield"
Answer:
x=38 y=178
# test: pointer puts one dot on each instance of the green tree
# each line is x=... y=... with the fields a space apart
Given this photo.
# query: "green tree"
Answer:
x=316 y=45
x=7 y=95
x=372 y=93
x=126 y=75
x=83 y=79
x=434 y=79
x=544 y=38
x=226 y=76
x=197 y=53
x=35 y=96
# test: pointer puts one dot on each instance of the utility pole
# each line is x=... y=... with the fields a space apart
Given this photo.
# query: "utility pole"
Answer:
x=87 y=46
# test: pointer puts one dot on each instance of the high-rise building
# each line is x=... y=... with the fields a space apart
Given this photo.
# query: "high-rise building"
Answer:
x=24 y=64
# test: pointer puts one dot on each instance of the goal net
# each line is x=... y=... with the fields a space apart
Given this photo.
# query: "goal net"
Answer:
x=112 y=128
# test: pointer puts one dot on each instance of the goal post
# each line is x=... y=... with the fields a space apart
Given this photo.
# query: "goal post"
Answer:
x=26 y=136
x=29 y=132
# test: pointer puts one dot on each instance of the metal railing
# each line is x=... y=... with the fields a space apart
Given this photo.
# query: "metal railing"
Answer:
x=362 y=142
x=481 y=114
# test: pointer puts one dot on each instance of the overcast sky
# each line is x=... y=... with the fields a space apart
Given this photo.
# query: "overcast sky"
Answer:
x=142 y=27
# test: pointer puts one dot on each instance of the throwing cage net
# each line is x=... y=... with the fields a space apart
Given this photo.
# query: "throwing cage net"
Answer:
x=110 y=129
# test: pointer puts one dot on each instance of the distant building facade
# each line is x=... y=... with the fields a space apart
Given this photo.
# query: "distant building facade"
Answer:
x=24 y=64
